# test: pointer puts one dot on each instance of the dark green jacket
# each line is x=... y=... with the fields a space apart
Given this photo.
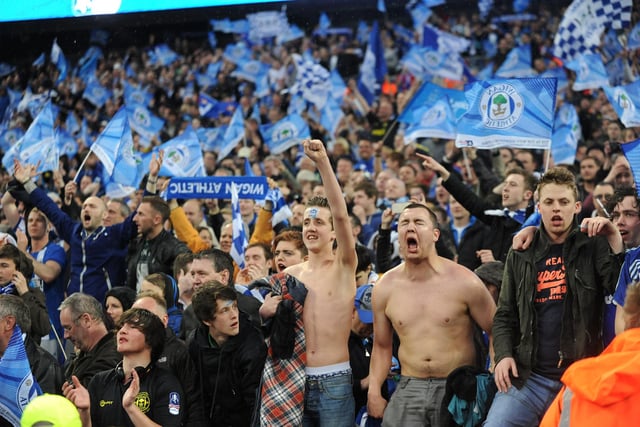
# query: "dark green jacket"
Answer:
x=591 y=271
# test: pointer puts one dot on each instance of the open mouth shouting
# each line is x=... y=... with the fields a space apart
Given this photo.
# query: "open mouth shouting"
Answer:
x=412 y=244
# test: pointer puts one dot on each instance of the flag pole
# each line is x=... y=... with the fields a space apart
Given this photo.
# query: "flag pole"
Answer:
x=547 y=160
x=75 y=178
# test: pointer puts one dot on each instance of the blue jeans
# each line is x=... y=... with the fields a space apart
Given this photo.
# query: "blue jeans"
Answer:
x=328 y=400
x=524 y=407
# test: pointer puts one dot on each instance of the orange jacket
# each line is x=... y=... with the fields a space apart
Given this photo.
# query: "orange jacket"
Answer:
x=263 y=231
x=602 y=390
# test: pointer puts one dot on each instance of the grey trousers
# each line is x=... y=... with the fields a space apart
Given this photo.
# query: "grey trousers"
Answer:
x=416 y=402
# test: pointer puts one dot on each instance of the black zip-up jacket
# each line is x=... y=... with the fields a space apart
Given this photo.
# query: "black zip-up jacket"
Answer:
x=175 y=358
x=101 y=357
x=230 y=374
x=502 y=227
x=44 y=367
x=591 y=270
x=163 y=250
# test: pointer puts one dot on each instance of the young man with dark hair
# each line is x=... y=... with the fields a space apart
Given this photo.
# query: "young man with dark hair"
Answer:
x=15 y=272
x=365 y=196
x=550 y=304
x=215 y=264
x=517 y=194
x=229 y=354
x=136 y=392
x=175 y=357
x=156 y=249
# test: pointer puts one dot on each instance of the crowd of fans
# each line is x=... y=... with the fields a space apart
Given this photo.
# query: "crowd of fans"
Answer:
x=89 y=268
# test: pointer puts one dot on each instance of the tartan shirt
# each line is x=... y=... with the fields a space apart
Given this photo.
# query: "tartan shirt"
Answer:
x=283 y=380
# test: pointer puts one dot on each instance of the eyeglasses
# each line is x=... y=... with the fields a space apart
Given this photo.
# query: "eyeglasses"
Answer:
x=606 y=197
x=627 y=214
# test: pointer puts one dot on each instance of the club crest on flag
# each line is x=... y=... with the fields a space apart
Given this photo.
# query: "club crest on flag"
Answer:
x=141 y=117
x=501 y=106
x=284 y=131
x=179 y=156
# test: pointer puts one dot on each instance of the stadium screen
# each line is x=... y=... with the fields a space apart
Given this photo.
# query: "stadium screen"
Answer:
x=27 y=10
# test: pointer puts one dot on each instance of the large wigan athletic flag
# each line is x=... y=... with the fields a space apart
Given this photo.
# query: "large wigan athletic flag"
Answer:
x=508 y=113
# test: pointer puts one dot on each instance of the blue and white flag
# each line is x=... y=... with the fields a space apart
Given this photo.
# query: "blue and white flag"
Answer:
x=136 y=95
x=280 y=211
x=85 y=135
x=427 y=95
x=313 y=81
x=58 y=59
x=213 y=41
x=288 y=34
x=210 y=138
x=233 y=135
x=633 y=41
x=631 y=151
x=373 y=68
x=237 y=53
x=256 y=72
x=39 y=61
x=559 y=74
x=6 y=69
x=182 y=155
x=426 y=62
x=338 y=88
x=420 y=13
x=484 y=7
x=286 y=133
x=625 y=100
x=266 y=24
x=227 y=26
x=508 y=113
x=616 y=71
x=114 y=147
x=38 y=146
x=71 y=124
x=67 y=144
x=583 y=24
x=207 y=106
x=88 y=64
x=590 y=72
x=443 y=41
x=324 y=23
x=19 y=387
x=8 y=138
x=331 y=115
x=217 y=187
x=239 y=235
x=431 y=121
x=163 y=55
x=517 y=63
x=96 y=94
x=566 y=135
x=143 y=122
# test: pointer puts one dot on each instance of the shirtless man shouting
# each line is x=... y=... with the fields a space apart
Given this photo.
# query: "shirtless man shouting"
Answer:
x=431 y=303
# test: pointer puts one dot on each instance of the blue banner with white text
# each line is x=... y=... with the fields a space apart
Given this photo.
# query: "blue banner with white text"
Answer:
x=217 y=187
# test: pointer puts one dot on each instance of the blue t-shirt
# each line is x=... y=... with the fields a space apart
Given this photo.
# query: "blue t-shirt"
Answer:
x=53 y=291
x=629 y=273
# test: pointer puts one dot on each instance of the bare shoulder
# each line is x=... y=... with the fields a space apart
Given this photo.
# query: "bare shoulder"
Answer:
x=460 y=276
x=295 y=270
